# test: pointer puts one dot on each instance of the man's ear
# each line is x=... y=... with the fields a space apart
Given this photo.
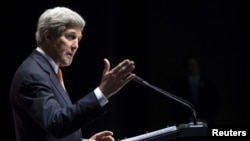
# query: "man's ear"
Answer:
x=47 y=35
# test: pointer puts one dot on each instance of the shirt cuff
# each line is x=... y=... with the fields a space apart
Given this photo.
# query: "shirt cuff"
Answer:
x=101 y=98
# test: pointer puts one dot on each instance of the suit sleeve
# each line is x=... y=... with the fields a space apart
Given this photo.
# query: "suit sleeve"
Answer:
x=43 y=103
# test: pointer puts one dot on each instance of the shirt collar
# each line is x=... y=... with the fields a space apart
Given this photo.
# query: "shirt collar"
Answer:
x=51 y=61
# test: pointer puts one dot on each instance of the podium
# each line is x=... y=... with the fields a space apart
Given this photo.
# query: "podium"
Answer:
x=173 y=132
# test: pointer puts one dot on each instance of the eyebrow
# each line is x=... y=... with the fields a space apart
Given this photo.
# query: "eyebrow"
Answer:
x=74 y=33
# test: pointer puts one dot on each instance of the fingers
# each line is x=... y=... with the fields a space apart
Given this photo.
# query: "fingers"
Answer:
x=123 y=69
x=104 y=136
x=129 y=77
x=113 y=80
x=105 y=133
x=107 y=138
x=106 y=66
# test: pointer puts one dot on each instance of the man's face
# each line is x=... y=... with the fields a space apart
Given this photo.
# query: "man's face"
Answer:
x=66 y=46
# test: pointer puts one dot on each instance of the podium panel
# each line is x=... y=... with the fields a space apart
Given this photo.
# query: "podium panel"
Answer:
x=173 y=132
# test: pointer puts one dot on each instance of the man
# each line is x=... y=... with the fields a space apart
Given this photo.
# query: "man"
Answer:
x=41 y=106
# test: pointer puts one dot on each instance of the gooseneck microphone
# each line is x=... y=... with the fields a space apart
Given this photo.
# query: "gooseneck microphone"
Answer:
x=170 y=95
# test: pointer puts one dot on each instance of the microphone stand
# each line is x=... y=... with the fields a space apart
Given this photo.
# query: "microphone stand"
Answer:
x=175 y=98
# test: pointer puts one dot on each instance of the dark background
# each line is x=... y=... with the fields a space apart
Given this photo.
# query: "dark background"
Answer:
x=157 y=35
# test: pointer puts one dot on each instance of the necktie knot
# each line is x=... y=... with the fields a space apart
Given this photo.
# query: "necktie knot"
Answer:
x=60 y=77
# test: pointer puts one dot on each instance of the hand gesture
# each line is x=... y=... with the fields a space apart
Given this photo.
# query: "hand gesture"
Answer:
x=113 y=80
x=102 y=136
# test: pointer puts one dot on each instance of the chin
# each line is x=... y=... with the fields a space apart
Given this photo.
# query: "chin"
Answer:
x=65 y=64
x=68 y=64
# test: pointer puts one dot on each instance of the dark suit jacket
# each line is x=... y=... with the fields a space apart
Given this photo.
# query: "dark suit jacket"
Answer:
x=42 y=110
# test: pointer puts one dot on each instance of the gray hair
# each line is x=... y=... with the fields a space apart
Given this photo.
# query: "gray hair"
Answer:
x=57 y=20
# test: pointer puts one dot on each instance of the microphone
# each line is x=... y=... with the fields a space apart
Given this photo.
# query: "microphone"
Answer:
x=170 y=95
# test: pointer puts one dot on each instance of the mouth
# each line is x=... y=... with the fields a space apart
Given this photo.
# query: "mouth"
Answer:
x=69 y=54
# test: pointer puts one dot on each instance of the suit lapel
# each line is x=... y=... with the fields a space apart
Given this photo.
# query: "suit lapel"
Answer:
x=57 y=87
